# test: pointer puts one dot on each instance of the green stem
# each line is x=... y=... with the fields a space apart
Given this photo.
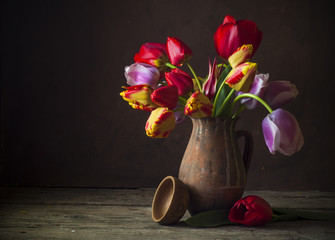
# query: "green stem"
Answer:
x=182 y=100
x=254 y=97
x=240 y=109
x=178 y=109
x=170 y=65
x=195 y=77
x=225 y=102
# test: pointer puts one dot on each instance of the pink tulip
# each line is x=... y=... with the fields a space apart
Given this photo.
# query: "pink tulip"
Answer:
x=282 y=132
x=142 y=73
x=279 y=93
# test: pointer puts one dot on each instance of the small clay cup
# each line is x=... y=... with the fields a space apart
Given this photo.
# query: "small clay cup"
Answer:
x=170 y=201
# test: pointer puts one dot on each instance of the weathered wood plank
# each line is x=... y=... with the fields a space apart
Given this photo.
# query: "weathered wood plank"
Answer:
x=64 y=213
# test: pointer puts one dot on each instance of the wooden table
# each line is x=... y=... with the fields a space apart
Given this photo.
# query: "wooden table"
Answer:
x=81 y=213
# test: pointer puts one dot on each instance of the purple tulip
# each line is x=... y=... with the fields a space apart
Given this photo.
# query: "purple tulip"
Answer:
x=179 y=113
x=142 y=73
x=258 y=88
x=282 y=132
x=279 y=93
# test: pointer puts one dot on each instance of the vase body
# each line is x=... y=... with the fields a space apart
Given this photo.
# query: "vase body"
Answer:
x=212 y=166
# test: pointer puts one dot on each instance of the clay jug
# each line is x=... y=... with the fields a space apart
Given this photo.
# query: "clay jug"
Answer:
x=213 y=167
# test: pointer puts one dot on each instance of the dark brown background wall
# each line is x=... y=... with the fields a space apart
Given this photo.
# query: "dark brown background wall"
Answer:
x=63 y=122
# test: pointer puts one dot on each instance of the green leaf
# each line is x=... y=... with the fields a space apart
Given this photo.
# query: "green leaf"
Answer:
x=308 y=215
x=213 y=218
x=225 y=90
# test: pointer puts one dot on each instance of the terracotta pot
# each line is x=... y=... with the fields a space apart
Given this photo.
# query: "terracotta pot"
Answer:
x=212 y=166
x=170 y=201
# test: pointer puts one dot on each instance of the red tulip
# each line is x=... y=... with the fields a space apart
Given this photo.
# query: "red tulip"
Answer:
x=154 y=54
x=209 y=86
x=166 y=96
x=251 y=211
x=180 y=79
x=233 y=34
x=178 y=51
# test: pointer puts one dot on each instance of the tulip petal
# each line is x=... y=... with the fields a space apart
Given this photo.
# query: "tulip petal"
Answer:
x=209 y=86
x=271 y=134
x=258 y=88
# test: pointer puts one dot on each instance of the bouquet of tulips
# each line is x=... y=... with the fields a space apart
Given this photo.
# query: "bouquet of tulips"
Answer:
x=158 y=84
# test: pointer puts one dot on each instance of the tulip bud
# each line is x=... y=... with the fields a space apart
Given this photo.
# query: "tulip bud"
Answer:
x=209 y=86
x=279 y=93
x=282 y=132
x=251 y=211
x=180 y=79
x=154 y=54
x=233 y=34
x=198 y=106
x=241 y=77
x=166 y=96
x=160 y=123
x=241 y=55
x=139 y=97
x=142 y=73
x=178 y=51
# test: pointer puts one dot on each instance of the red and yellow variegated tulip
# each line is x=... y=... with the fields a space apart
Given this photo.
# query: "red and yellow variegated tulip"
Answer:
x=178 y=51
x=166 y=96
x=180 y=79
x=139 y=97
x=154 y=54
x=160 y=123
x=241 y=55
x=198 y=106
x=241 y=77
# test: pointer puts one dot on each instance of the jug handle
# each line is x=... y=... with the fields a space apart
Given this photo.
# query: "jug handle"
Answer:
x=248 y=147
